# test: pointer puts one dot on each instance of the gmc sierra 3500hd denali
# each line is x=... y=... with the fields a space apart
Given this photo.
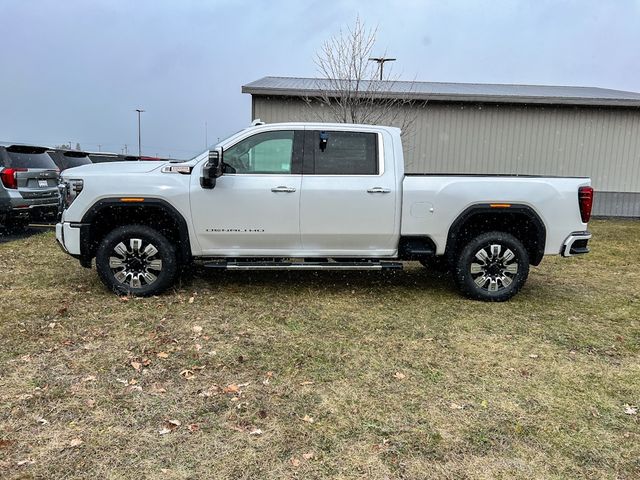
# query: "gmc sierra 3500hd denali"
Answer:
x=303 y=196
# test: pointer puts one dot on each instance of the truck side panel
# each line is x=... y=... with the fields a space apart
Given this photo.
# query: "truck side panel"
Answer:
x=432 y=203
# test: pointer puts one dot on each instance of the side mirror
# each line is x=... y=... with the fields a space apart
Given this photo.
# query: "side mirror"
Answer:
x=212 y=169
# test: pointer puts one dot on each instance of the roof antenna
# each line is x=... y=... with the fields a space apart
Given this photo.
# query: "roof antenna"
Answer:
x=257 y=122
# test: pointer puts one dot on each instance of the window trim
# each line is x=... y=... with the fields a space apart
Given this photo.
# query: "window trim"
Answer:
x=296 y=154
x=308 y=167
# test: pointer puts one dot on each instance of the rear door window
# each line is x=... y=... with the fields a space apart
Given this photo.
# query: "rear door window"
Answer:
x=28 y=157
x=343 y=153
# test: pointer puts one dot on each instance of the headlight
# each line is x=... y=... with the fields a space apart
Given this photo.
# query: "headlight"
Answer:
x=72 y=189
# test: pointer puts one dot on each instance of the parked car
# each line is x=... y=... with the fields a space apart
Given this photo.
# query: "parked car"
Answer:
x=69 y=158
x=29 y=184
x=105 y=157
x=319 y=196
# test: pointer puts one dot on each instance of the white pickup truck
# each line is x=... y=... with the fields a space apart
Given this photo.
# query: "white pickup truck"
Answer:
x=303 y=196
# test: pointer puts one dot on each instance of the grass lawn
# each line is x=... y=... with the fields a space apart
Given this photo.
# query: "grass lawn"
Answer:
x=328 y=374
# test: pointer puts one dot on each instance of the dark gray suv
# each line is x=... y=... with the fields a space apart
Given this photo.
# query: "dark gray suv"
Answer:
x=69 y=158
x=28 y=185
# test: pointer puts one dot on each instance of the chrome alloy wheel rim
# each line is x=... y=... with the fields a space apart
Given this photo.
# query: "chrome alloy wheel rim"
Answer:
x=493 y=269
x=136 y=265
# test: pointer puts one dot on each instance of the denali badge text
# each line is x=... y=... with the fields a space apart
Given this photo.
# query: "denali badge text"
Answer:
x=235 y=230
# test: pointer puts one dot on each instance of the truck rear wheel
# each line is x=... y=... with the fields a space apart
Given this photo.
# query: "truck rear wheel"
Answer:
x=492 y=267
x=136 y=260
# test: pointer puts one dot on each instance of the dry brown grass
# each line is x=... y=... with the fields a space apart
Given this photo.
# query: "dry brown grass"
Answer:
x=401 y=377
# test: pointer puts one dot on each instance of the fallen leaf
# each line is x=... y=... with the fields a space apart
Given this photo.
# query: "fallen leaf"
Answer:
x=193 y=427
x=174 y=423
x=136 y=366
x=62 y=311
x=308 y=419
x=164 y=431
x=630 y=409
x=455 y=406
x=5 y=443
x=124 y=299
x=76 y=442
x=25 y=462
x=255 y=431
x=306 y=382
x=533 y=355
x=162 y=355
x=307 y=456
x=52 y=325
x=399 y=375
x=146 y=362
x=295 y=462
x=233 y=388
x=198 y=347
x=90 y=378
x=42 y=421
x=91 y=403
x=197 y=329
x=191 y=299
x=187 y=374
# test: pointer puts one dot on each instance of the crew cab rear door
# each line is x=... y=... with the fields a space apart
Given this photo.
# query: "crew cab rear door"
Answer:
x=349 y=195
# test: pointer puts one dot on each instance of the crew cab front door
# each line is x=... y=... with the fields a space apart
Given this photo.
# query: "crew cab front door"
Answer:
x=254 y=209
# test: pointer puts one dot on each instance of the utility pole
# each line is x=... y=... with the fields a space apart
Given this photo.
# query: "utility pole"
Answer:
x=99 y=147
x=139 y=136
x=380 y=61
x=206 y=139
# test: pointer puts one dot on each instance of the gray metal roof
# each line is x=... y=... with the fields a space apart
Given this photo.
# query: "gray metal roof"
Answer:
x=454 y=92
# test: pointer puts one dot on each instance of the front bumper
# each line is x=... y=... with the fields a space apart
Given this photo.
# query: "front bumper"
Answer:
x=576 y=244
x=68 y=237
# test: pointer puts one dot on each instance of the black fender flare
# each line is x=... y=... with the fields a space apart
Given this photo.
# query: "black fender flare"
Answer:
x=536 y=255
x=87 y=247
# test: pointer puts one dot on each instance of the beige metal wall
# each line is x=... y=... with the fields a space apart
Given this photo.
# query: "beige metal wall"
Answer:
x=603 y=143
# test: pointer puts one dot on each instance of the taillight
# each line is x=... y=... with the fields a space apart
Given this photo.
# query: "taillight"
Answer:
x=585 y=199
x=9 y=177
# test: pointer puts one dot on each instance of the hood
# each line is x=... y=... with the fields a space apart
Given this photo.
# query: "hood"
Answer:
x=114 y=168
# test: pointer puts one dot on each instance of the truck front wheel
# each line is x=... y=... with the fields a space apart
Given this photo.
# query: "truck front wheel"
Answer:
x=492 y=267
x=136 y=260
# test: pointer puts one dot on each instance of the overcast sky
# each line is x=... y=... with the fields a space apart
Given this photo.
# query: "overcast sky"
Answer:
x=75 y=70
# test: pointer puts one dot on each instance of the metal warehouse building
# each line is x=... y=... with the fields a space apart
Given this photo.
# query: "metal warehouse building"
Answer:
x=513 y=129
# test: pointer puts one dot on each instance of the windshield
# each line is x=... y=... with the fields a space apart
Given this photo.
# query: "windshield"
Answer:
x=28 y=157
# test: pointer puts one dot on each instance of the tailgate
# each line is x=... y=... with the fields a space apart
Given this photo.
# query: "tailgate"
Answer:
x=37 y=179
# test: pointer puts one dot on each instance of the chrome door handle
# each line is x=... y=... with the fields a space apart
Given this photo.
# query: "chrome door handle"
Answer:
x=379 y=190
x=282 y=188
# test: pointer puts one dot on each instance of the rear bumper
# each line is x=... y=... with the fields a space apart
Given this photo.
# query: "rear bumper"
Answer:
x=576 y=244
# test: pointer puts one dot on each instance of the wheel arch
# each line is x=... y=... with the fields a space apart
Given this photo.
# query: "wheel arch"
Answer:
x=109 y=213
x=520 y=220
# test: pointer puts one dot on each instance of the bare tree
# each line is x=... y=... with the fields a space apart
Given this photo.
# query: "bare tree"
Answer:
x=350 y=90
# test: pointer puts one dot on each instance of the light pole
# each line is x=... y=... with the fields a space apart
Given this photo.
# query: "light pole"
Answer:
x=139 y=137
x=380 y=61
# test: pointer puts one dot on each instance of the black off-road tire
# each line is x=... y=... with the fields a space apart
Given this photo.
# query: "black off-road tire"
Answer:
x=492 y=276
x=136 y=262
